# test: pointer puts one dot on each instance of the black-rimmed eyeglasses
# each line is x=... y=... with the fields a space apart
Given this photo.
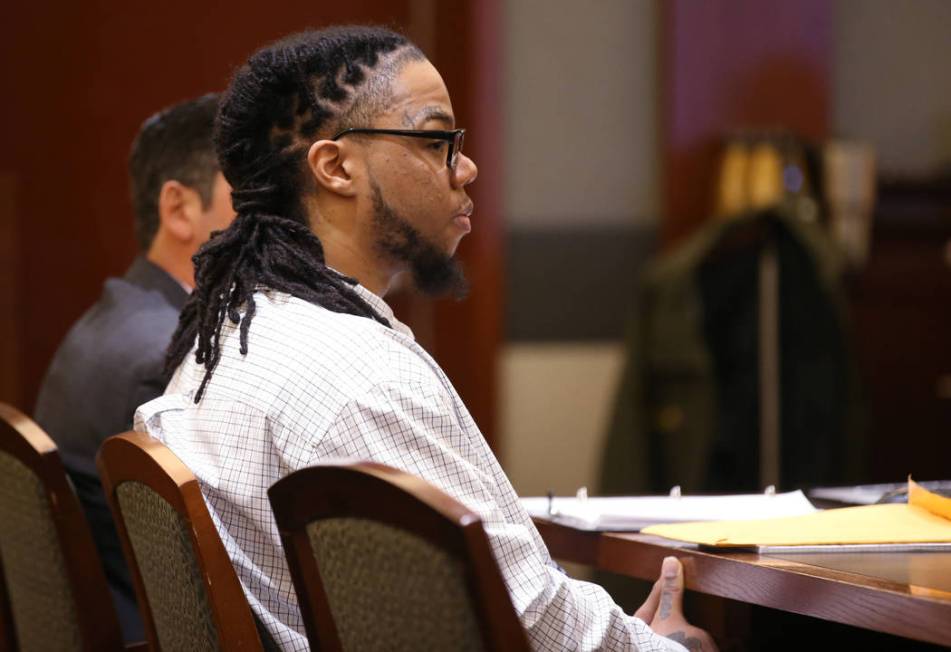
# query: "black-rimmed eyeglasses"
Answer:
x=453 y=137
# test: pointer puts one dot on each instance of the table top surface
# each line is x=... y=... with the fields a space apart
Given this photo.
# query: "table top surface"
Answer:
x=907 y=594
x=924 y=573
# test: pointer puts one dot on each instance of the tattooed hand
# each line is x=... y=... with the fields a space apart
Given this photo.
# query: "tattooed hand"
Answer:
x=663 y=610
x=690 y=642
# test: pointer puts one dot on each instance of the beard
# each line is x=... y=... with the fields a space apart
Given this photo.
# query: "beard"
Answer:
x=434 y=272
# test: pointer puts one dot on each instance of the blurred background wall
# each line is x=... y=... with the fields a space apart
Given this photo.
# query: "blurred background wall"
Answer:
x=581 y=202
x=614 y=119
x=888 y=87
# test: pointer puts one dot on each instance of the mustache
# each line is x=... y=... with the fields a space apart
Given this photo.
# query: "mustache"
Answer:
x=466 y=209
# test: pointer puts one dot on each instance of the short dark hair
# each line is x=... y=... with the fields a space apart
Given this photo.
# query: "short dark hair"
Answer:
x=174 y=144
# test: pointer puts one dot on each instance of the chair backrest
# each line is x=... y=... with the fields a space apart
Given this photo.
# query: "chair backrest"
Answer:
x=188 y=593
x=382 y=560
x=55 y=589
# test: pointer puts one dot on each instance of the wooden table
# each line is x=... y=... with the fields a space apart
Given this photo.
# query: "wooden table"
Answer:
x=906 y=594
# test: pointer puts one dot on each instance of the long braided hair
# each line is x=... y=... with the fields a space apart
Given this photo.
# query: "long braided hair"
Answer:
x=286 y=96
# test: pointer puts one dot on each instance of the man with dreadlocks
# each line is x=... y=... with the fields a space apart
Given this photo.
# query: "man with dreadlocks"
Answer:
x=347 y=170
x=112 y=360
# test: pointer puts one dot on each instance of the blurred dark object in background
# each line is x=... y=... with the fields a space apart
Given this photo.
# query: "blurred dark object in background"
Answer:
x=900 y=303
x=689 y=410
x=757 y=338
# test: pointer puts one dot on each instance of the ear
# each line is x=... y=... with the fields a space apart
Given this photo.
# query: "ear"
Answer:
x=179 y=209
x=332 y=165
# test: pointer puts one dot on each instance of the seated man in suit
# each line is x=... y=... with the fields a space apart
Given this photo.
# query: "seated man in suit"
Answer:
x=112 y=359
x=347 y=170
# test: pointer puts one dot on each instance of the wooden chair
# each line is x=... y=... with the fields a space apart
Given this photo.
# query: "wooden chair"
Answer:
x=53 y=592
x=382 y=560
x=188 y=593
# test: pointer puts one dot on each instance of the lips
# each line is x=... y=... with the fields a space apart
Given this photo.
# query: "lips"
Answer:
x=463 y=222
x=462 y=218
x=466 y=210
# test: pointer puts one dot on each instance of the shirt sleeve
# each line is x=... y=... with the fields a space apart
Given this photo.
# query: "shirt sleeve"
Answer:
x=144 y=388
x=413 y=427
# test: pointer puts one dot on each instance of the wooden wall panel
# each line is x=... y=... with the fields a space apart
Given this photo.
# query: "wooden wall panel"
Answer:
x=467 y=335
x=9 y=294
x=79 y=79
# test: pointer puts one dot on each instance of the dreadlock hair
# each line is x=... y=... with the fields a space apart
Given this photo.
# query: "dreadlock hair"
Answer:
x=285 y=97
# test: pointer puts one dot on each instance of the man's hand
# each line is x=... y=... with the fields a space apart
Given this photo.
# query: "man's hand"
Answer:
x=663 y=610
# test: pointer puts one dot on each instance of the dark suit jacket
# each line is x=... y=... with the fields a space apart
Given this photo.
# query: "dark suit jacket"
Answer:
x=110 y=363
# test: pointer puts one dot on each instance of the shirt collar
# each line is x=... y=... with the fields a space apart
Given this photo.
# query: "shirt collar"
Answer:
x=383 y=309
x=145 y=273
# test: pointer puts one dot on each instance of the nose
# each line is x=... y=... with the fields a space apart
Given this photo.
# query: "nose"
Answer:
x=464 y=173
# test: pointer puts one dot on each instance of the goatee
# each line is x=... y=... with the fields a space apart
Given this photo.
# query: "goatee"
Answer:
x=434 y=272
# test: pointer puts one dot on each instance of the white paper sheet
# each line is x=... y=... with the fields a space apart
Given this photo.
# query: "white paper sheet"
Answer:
x=631 y=513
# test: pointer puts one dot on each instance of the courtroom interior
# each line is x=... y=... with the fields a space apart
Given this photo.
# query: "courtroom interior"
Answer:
x=248 y=401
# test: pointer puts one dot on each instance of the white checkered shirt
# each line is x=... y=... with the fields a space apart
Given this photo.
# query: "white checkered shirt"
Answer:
x=317 y=385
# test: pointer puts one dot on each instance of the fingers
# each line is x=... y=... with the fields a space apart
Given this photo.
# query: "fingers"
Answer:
x=694 y=639
x=671 y=591
x=649 y=608
x=668 y=620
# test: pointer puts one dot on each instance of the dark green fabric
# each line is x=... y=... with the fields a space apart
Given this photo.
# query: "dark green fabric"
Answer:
x=176 y=590
x=389 y=589
x=686 y=412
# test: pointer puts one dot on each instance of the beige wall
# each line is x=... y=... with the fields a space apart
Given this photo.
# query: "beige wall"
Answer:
x=891 y=82
x=554 y=410
x=580 y=142
x=580 y=151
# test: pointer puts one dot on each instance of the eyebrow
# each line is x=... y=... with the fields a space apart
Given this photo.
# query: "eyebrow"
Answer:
x=430 y=113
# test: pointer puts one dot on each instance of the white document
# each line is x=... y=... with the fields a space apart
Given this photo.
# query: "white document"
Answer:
x=631 y=513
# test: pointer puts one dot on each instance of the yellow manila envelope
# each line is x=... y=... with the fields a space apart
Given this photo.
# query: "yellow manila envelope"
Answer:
x=925 y=519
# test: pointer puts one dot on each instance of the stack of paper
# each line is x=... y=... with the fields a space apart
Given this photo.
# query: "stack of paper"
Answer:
x=925 y=519
x=630 y=514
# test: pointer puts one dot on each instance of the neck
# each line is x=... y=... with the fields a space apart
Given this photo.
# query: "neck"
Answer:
x=352 y=252
x=174 y=259
x=352 y=261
